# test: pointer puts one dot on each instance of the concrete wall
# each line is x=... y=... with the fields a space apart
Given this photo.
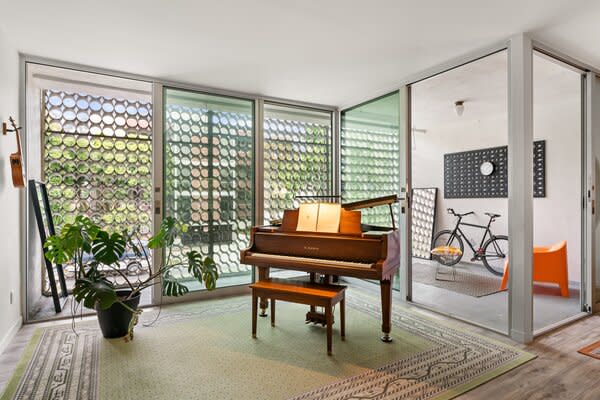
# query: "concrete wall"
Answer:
x=10 y=234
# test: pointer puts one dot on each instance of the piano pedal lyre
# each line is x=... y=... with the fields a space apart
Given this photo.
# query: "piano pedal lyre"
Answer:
x=315 y=317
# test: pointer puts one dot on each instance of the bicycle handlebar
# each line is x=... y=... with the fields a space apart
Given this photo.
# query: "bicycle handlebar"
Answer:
x=451 y=211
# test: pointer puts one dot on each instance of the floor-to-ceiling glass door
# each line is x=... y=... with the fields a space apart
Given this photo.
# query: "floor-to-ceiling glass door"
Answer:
x=90 y=142
x=208 y=173
x=459 y=186
x=560 y=203
x=297 y=160
x=373 y=160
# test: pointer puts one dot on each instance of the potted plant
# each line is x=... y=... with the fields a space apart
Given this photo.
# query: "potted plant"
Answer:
x=95 y=252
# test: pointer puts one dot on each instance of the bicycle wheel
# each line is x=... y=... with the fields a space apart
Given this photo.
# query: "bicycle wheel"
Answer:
x=445 y=238
x=495 y=254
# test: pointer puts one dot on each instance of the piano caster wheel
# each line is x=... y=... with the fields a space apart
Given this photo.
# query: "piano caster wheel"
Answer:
x=262 y=313
x=386 y=338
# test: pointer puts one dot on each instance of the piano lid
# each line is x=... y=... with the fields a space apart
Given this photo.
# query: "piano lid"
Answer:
x=377 y=201
x=369 y=203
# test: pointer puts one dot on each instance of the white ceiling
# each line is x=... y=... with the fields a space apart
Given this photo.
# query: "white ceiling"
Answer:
x=335 y=52
x=483 y=86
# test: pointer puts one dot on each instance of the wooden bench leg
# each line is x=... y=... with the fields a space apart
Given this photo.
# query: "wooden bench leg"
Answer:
x=343 y=318
x=272 y=312
x=329 y=318
x=254 y=312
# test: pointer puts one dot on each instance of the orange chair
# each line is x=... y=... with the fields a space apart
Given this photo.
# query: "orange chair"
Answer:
x=549 y=265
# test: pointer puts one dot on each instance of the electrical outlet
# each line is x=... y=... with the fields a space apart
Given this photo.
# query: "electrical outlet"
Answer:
x=11 y=296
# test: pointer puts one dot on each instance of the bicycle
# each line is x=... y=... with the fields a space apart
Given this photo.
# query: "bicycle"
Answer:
x=493 y=252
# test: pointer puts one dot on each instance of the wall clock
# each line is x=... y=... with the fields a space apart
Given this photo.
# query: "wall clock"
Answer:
x=486 y=168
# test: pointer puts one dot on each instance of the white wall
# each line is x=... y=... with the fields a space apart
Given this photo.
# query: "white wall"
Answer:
x=10 y=314
x=557 y=119
x=428 y=169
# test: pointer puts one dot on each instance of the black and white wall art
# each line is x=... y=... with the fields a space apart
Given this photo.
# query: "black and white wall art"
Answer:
x=483 y=173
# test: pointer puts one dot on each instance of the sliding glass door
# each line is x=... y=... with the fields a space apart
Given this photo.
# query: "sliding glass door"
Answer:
x=209 y=178
x=297 y=157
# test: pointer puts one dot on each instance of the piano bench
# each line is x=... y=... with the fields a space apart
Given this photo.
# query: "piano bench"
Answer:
x=312 y=294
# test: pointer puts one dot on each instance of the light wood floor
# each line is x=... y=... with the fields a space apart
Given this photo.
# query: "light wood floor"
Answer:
x=559 y=372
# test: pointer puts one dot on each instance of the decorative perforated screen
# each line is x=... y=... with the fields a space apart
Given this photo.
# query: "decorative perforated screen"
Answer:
x=208 y=168
x=297 y=157
x=97 y=161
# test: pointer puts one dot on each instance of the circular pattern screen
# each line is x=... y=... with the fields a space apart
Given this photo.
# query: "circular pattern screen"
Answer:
x=209 y=180
x=98 y=162
x=297 y=162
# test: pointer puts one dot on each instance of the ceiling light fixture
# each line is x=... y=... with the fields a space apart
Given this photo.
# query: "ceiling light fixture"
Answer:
x=459 y=107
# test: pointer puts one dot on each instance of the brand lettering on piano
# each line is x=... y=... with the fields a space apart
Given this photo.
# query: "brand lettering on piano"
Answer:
x=311 y=248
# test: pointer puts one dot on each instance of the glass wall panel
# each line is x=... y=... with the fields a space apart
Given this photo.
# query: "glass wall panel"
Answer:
x=459 y=167
x=558 y=195
x=209 y=178
x=94 y=152
x=297 y=157
x=370 y=155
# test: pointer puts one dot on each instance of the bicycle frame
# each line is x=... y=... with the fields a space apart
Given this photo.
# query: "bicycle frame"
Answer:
x=458 y=232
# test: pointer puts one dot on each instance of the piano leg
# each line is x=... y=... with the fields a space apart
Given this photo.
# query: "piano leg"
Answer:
x=386 y=309
x=263 y=274
x=312 y=278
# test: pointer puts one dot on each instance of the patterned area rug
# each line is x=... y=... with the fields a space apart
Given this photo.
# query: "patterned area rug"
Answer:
x=466 y=282
x=204 y=350
x=592 y=350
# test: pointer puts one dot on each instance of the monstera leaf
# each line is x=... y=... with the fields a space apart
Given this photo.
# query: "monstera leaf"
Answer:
x=169 y=230
x=79 y=235
x=204 y=270
x=56 y=252
x=95 y=289
x=171 y=287
x=210 y=273
x=108 y=248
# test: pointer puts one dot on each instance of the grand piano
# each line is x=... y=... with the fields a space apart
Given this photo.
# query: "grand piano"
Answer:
x=356 y=250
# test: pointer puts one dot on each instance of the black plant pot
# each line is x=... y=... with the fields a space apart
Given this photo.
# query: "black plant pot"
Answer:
x=114 y=321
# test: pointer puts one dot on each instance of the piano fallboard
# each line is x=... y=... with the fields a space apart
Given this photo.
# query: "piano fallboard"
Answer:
x=367 y=257
x=344 y=248
x=321 y=266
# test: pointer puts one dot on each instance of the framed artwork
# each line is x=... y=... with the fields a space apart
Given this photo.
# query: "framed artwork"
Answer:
x=483 y=173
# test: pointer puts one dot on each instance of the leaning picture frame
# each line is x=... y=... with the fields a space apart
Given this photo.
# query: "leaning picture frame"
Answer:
x=43 y=215
x=423 y=216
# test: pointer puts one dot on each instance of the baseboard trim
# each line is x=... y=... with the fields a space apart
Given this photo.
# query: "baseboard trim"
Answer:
x=520 y=336
x=12 y=332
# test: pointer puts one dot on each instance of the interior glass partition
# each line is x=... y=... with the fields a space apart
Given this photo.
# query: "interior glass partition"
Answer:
x=558 y=254
x=371 y=155
x=209 y=178
x=459 y=183
x=594 y=231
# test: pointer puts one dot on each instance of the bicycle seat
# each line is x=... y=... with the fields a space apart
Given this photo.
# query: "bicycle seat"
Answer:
x=492 y=215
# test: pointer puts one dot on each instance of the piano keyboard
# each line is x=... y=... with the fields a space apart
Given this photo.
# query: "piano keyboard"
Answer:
x=334 y=263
